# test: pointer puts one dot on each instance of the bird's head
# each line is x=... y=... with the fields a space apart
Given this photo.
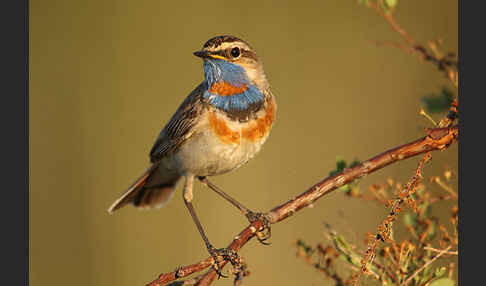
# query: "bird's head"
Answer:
x=231 y=60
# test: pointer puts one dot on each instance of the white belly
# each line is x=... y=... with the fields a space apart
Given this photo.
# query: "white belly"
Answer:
x=205 y=155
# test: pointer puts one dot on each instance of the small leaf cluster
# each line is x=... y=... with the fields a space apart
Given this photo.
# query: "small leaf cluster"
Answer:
x=386 y=5
x=393 y=262
x=435 y=103
x=352 y=188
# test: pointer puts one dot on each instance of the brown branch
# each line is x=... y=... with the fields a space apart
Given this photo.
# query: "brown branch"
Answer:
x=437 y=139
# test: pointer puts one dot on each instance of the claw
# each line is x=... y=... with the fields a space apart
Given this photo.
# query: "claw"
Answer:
x=227 y=254
x=178 y=272
x=214 y=253
x=240 y=271
x=265 y=232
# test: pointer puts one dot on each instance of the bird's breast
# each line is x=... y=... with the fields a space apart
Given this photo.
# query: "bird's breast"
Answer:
x=220 y=144
x=235 y=132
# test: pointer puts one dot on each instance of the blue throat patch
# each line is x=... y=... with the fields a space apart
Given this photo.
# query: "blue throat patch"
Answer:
x=216 y=70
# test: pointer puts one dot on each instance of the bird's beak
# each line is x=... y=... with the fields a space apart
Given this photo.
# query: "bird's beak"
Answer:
x=201 y=54
x=207 y=55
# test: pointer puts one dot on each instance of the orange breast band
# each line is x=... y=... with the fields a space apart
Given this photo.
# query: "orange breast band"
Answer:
x=224 y=88
x=256 y=130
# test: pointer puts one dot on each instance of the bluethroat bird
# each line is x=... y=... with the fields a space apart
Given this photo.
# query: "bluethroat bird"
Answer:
x=220 y=126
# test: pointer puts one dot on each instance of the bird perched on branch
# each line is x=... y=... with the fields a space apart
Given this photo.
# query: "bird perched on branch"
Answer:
x=220 y=126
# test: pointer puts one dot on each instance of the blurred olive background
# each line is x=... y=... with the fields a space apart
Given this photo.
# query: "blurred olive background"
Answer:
x=107 y=75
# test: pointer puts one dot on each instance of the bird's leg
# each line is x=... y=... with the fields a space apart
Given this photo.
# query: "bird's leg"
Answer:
x=263 y=234
x=227 y=254
x=220 y=192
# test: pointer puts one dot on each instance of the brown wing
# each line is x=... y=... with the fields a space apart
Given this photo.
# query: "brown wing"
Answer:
x=151 y=189
x=179 y=127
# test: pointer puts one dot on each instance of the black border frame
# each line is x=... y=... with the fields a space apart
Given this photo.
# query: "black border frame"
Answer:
x=15 y=120
x=471 y=62
x=14 y=20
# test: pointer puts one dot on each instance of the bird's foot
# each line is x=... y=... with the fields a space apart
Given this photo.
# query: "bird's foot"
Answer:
x=227 y=254
x=264 y=233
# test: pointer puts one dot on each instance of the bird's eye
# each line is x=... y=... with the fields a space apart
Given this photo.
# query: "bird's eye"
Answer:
x=235 y=52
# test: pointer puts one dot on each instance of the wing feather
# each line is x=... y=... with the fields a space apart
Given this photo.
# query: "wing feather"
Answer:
x=179 y=127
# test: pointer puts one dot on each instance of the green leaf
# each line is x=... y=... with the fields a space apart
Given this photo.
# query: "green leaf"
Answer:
x=443 y=282
x=345 y=188
x=354 y=163
x=307 y=249
x=425 y=209
x=438 y=103
x=420 y=191
x=354 y=188
x=410 y=219
x=391 y=3
x=341 y=165
x=432 y=229
x=341 y=243
x=425 y=275
x=440 y=271
x=346 y=251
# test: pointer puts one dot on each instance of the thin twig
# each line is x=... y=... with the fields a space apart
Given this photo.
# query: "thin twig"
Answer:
x=425 y=265
x=447 y=63
x=389 y=18
x=438 y=250
x=446 y=188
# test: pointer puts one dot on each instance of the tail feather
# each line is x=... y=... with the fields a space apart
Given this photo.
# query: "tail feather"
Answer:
x=143 y=193
x=155 y=196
